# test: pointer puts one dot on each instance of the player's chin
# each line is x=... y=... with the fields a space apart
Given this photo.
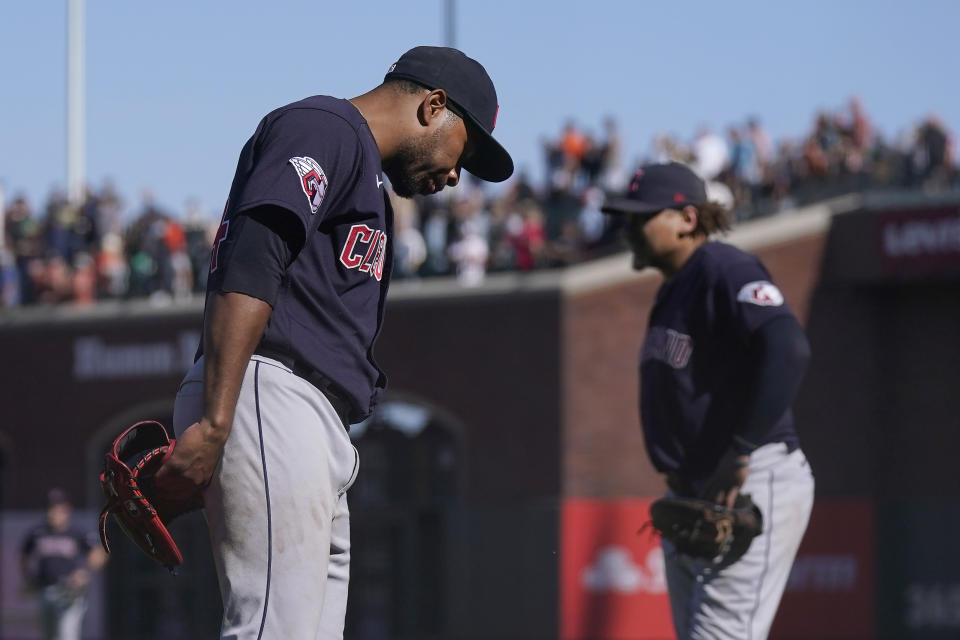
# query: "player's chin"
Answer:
x=409 y=187
x=429 y=186
x=640 y=259
x=403 y=188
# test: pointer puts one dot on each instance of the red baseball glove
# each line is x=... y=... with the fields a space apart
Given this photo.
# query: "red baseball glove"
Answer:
x=126 y=480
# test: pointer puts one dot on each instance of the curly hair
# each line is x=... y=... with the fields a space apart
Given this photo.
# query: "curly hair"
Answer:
x=712 y=217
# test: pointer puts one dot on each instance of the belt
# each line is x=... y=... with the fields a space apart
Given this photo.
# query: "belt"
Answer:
x=684 y=485
x=325 y=385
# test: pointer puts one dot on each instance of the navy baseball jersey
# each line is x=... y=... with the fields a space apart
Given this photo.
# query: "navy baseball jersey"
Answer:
x=694 y=360
x=317 y=160
x=53 y=555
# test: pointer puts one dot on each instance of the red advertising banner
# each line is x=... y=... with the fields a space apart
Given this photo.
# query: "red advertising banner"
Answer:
x=830 y=593
x=612 y=582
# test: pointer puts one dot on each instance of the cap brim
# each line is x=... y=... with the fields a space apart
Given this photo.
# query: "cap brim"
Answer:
x=490 y=161
x=626 y=205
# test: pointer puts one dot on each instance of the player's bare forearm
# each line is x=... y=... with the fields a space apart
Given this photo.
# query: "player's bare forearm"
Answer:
x=232 y=328
x=234 y=325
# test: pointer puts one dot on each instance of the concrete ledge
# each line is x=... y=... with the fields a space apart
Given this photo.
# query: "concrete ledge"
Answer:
x=602 y=272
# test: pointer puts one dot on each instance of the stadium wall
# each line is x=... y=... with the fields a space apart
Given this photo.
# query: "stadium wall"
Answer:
x=531 y=382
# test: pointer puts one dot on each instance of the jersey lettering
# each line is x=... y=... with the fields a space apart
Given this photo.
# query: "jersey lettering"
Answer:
x=59 y=546
x=364 y=250
x=379 y=257
x=669 y=346
x=217 y=241
x=365 y=267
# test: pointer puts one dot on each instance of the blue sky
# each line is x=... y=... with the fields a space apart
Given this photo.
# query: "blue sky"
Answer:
x=175 y=88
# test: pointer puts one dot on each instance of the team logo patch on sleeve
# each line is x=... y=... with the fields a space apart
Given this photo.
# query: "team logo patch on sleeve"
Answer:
x=761 y=293
x=313 y=180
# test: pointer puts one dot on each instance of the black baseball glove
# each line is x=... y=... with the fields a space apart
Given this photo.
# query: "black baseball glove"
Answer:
x=704 y=529
x=126 y=480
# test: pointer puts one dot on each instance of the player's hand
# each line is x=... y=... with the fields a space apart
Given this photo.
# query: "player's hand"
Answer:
x=724 y=485
x=192 y=463
x=78 y=579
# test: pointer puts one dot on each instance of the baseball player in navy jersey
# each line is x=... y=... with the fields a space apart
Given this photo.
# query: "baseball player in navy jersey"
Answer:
x=721 y=363
x=295 y=300
x=58 y=559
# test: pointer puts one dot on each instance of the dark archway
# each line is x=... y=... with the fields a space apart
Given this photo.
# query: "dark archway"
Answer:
x=402 y=511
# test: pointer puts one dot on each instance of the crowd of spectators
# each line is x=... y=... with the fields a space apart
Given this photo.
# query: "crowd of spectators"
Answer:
x=842 y=153
x=85 y=252
x=95 y=250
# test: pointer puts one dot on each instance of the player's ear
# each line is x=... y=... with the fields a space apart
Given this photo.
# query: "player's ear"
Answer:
x=689 y=218
x=432 y=106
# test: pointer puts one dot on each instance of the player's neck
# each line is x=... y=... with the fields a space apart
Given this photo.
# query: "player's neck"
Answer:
x=383 y=120
x=686 y=247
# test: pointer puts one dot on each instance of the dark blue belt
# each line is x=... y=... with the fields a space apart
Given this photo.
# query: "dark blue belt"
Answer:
x=325 y=385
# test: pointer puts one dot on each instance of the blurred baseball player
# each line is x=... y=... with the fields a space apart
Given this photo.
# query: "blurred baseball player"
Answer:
x=298 y=280
x=57 y=560
x=720 y=366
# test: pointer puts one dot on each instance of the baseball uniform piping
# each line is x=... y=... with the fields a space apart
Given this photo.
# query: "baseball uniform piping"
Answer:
x=266 y=488
x=766 y=556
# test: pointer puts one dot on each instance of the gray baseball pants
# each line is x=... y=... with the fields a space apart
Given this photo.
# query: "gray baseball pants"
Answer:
x=739 y=601
x=277 y=506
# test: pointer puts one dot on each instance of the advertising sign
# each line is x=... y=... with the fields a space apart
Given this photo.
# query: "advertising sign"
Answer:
x=611 y=572
x=831 y=589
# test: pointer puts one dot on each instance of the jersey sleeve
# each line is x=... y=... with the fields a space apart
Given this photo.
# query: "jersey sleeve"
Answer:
x=302 y=160
x=748 y=297
x=29 y=543
x=253 y=257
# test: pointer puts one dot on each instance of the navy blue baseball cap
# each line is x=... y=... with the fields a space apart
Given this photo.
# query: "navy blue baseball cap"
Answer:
x=57 y=496
x=656 y=187
x=471 y=91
